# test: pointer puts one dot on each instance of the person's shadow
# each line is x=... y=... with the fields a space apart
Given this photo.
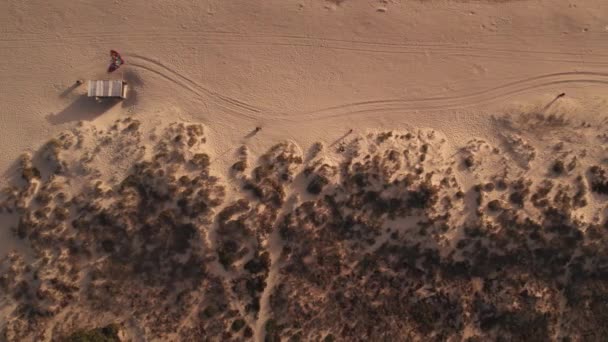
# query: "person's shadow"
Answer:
x=84 y=108
x=69 y=90
x=341 y=138
x=253 y=133
x=544 y=109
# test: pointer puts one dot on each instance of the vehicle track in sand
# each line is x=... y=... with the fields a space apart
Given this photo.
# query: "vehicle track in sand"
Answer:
x=500 y=49
x=230 y=104
x=456 y=101
x=369 y=107
x=497 y=50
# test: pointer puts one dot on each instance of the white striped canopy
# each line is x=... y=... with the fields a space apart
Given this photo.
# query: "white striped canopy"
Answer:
x=107 y=88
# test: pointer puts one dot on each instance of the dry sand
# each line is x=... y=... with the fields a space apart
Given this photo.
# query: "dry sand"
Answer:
x=304 y=70
x=307 y=72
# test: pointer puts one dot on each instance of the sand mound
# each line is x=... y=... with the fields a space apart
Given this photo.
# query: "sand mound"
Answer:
x=391 y=236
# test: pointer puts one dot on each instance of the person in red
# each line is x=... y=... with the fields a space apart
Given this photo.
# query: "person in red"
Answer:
x=116 y=62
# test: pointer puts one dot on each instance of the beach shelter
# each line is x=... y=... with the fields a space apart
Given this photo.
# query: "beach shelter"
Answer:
x=107 y=88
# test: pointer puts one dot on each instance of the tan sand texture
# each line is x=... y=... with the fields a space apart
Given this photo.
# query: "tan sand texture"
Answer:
x=416 y=174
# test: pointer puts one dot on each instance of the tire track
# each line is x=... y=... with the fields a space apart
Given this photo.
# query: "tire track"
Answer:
x=455 y=102
x=421 y=48
x=252 y=40
x=153 y=34
x=228 y=103
x=375 y=106
x=307 y=41
x=209 y=92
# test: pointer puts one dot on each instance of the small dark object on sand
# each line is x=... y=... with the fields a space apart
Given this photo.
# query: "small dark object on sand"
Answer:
x=558 y=167
x=469 y=162
x=561 y=95
x=79 y=82
x=350 y=131
x=258 y=128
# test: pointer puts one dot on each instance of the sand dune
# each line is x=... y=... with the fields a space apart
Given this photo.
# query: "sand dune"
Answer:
x=382 y=235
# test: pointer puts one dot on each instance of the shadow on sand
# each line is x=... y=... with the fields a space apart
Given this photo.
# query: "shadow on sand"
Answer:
x=69 y=90
x=11 y=174
x=341 y=138
x=84 y=108
x=252 y=133
x=134 y=83
x=552 y=102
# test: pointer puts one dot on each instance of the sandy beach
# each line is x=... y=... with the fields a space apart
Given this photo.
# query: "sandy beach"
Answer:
x=316 y=170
